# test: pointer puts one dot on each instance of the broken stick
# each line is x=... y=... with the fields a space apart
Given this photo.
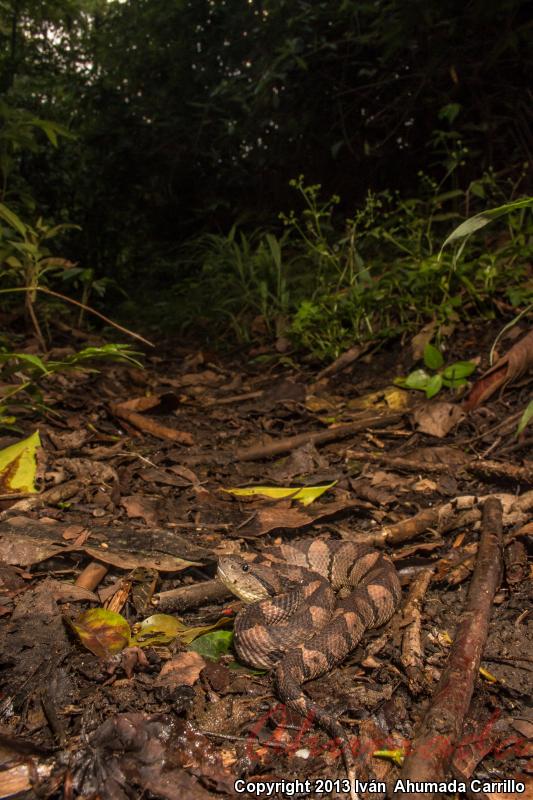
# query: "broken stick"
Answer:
x=441 y=727
x=278 y=446
x=191 y=596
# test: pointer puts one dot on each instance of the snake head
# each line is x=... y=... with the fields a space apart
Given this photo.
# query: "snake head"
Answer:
x=249 y=581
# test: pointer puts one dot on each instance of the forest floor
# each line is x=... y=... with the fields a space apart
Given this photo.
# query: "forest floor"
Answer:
x=132 y=516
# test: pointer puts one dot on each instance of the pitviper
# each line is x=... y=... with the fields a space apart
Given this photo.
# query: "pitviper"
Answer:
x=310 y=604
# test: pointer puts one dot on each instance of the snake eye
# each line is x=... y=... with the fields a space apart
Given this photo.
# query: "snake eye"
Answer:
x=245 y=567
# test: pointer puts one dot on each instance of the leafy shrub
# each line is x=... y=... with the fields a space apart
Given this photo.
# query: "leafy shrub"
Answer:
x=330 y=284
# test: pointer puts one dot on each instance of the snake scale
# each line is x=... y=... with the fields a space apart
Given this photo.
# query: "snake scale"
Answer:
x=310 y=603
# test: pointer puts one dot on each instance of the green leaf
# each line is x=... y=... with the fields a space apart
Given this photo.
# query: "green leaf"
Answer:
x=52 y=130
x=18 y=466
x=111 y=351
x=450 y=111
x=473 y=224
x=461 y=369
x=434 y=386
x=418 y=379
x=101 y=631
x=526 y=418
x=57 y=229
x=455 y=383
x=27 y=358
x=11 y=218
x=213 y=645
x=432 y=357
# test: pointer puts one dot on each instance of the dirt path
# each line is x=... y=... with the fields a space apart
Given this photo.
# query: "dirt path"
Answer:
x=132 y=517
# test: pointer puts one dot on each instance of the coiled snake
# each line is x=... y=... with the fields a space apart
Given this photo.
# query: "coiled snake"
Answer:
x=311 y=602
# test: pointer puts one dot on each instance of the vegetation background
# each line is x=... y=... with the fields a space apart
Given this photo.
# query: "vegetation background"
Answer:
x=284 y=169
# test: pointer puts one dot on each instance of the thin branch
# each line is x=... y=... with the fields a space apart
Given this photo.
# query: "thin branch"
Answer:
x=80 y=305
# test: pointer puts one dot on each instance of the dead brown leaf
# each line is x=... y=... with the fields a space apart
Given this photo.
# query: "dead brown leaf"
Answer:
x=72 y=532
x=69 y=440
x=425 y=485
x=182 y=670
x=162 y=477
x=124 y=560
x=437 y=418
x=206 y=378
x=516 y=362
x=140 y=506
x=442 y=454
x=388 y=480
x=19 y=550
x=282 y=516
x=185 y=473
x=421 y=339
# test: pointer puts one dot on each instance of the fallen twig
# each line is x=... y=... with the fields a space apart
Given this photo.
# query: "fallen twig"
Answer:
x=497 y=469
x=235 y=398
x=286 y=445
x=191 y=596
x=344 y=360
x=289 y=443
x=150 y=426
x=441 y=727
x=412 y=652
x=516 y=566
x=446 y=517
x=52 y=496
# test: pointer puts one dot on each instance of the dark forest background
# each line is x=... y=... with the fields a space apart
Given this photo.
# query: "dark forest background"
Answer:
x=274 y=167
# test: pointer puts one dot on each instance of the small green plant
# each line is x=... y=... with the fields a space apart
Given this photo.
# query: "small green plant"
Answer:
x=244 y=276
x=24 y=374
x=452 y=376
x=25 y=259
x=314 y=226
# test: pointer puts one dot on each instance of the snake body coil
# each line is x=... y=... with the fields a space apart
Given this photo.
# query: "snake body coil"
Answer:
x=312 y=601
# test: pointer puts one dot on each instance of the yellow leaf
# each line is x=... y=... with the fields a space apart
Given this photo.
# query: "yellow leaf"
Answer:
x=157 y=629
x=305 y=495
x=101 y=631
x=488 y=675
x=18 y=466
x=392 y=397
x=163 y=628
x=396 y=399
x=397 y=756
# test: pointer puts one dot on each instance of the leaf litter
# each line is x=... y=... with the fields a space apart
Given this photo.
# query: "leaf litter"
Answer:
x=137 y=500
